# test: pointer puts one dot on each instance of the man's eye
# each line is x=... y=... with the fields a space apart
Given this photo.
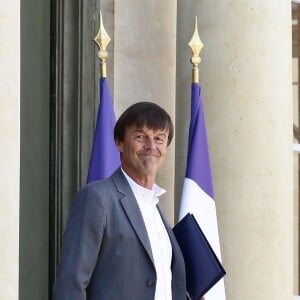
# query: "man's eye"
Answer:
x=160 y=140
x=140 y=137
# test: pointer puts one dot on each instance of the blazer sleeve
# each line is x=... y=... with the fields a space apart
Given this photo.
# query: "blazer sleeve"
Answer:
x=81 y=245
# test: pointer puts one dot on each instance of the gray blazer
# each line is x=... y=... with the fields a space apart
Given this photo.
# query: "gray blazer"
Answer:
x=106 y=253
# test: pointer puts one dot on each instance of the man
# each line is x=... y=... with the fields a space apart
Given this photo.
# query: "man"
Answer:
x=118 y=244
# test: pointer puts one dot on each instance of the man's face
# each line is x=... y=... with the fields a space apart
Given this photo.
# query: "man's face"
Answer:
x=143 y=151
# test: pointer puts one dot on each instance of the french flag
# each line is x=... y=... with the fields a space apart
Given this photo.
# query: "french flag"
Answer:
x=105 y=156
x=198 y=194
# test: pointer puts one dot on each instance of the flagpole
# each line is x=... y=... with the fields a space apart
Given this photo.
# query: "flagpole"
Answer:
x=196 y=45
x=102 y=39
x=198 y=193
x=105 y=157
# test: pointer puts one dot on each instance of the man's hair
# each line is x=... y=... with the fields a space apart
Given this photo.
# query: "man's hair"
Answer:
x=144 y=115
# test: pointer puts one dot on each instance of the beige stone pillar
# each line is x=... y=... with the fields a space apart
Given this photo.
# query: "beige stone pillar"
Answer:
x=9 y=148
x=145 y=66
x=246 y=81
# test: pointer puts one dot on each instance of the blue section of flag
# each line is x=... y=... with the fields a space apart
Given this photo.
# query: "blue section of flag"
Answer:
x=105 y=157
x=198 y=162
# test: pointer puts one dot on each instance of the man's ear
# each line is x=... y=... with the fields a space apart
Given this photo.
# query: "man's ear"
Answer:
x=119 y=145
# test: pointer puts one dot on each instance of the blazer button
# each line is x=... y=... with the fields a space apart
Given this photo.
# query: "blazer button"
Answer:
x=178 y=283
x=149 y=282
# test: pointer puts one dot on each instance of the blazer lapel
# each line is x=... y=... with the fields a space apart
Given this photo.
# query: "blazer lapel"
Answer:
x=132 y=210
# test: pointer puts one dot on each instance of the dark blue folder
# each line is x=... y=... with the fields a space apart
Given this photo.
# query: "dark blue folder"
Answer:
x=203 y=268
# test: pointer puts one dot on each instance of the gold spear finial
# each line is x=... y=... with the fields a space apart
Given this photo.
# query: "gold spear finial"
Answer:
x=196 y=45
x=102 y=39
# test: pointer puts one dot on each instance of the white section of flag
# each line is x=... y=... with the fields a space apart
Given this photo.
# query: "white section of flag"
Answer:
x=195 y=201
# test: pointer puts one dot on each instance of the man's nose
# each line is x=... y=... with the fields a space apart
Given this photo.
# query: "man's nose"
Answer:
x=150 y=143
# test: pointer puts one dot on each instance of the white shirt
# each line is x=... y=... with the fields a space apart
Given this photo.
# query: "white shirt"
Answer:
x=159 y=239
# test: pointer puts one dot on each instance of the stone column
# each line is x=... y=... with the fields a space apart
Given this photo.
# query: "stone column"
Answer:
x=10 y=148
x=145 y=67
x=246 y=80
